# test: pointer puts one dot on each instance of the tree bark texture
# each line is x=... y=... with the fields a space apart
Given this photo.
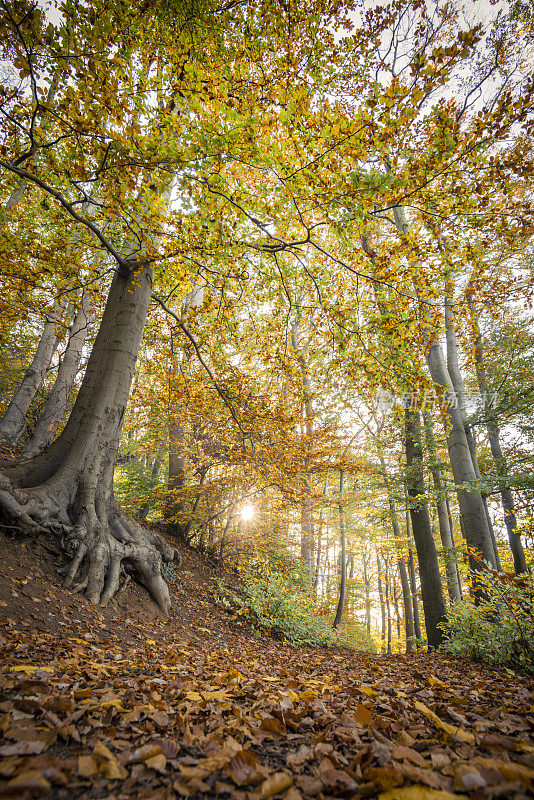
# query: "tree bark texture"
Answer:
x=472 y=510
x=14 y=419
x=445 y=530
x=56 y=402
x=342 y=536
x=401 y=563
x=431 y=589
x=69 y=487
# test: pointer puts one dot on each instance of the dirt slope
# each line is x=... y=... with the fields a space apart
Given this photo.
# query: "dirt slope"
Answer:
x=119 y=703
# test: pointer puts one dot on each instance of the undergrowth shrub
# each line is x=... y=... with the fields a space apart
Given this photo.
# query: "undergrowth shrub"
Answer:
x=276 y=606
x=353 y=635
x=500 y=630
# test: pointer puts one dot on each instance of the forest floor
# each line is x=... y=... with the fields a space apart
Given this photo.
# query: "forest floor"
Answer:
x=120 y=703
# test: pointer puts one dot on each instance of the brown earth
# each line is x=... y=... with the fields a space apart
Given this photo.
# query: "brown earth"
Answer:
x=120 y=703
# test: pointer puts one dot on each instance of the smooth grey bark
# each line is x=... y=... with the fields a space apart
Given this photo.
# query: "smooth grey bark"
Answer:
x=401 y=563
x=56 y=402
x=492 y=427
x=472 y=511
x=342 y=536
x=431 y=589
x=445 y=530
x=457 y=381
x=14 y=419
x=70 y=486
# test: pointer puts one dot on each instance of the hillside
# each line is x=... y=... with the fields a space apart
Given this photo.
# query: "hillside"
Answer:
x=121 y=703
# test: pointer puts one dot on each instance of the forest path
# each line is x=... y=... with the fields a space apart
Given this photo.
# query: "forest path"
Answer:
x=105 y=703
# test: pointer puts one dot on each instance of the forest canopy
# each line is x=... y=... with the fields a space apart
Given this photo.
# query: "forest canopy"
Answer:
x=267 y=283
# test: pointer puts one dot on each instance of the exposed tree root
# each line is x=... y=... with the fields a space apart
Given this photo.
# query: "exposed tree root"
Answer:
x=105 y=547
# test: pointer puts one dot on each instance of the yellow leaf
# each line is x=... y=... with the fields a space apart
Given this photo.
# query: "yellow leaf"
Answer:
x=433 y=681
x=368 y=691
x=29 y=669
x=460 y=733
x=32 y=779
x=87 y=766
x=276 y=784
x=115 y=703
x=107 y=763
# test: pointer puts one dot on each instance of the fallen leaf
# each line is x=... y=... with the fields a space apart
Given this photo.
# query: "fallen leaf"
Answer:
x=276 y=784
x=107 y=763
x=33 y=780
x=460 y=733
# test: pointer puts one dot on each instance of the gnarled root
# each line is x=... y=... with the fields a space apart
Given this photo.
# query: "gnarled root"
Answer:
x=102 y=547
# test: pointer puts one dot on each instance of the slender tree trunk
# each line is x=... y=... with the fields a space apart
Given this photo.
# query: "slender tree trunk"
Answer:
x=343 y=582
x=472 y=510
x=13 y=421
x=56 y=402
x=412 y=574
x=431 y=590
x=492 y=427
x=455 y=374
x=403 y=572
x=382 y=604
x=388 y=606
x=445 y=530
x=70 y=485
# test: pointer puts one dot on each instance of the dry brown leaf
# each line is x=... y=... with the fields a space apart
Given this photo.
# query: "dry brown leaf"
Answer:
x=32 y=779
x=107 y=763
x=87 y=766
x=276 y=784
x=451 y=730
x=157 y=763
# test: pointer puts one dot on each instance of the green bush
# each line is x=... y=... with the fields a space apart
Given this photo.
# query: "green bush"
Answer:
x=500 y=630
x=274 y=604
x=354 y=636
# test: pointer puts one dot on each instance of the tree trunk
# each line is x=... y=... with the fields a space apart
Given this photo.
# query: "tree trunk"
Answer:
x=445 y=530
x=388 y=606
x=13 y=421
x=412 y=575
x=403 y=572
x=492 y=427
x=70 y=485
x=56 y=402
x=431 y=590
x=458 y=385
x=382 y=604
x=472 y=511
x=343 y=582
